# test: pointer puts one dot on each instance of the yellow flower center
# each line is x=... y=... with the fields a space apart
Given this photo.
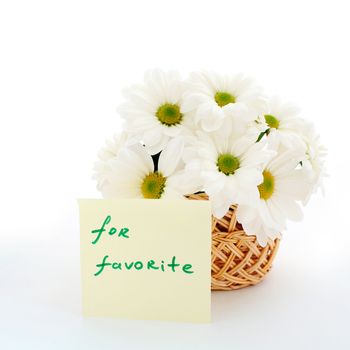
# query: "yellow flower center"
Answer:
x=227 y=163
x=267 y=187
x=169 y=114
x=153 y=185
x=224 y=98
x=272 y=121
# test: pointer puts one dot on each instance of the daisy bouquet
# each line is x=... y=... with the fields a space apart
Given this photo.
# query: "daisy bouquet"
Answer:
x=219 y=135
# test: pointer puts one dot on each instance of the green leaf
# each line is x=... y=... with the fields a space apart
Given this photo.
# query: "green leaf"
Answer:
x=261 y=135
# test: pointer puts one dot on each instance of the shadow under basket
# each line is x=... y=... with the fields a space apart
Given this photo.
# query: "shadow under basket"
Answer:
x=237 y=260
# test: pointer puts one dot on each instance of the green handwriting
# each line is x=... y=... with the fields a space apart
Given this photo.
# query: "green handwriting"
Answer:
x=172 y=266
x=112 y=231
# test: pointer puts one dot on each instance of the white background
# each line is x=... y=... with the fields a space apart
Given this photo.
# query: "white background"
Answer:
x=62 y=66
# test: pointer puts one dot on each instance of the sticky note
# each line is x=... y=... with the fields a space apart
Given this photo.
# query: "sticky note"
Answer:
x=146 y=259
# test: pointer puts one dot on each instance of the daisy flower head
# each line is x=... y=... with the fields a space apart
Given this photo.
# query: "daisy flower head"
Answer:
x=282 y=188
x=215 y=100
x=134 y=174
x=229 y=170
x=153 y=111
x=283 y=124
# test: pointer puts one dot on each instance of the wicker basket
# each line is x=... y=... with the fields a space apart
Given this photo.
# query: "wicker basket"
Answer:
x=237 y=260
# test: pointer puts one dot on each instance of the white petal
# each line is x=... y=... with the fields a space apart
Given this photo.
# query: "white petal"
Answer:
x=152 y=137
x=137 y=158
x=170 y=156
x=159 y=146
x=246 y=214
x=192 y=101
x=294 y=185
x=213 y=182
x=289 y=207
x=186 y=182
x=235 y=109
x=171 y=131
x=276 y=213
x=210 y=116
x=220 y=206
x=171 y=193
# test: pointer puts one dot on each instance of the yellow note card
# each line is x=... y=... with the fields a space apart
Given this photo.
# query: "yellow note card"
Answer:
x=146 y=259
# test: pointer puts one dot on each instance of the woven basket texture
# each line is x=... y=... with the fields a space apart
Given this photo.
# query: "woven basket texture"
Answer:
x=237 y=260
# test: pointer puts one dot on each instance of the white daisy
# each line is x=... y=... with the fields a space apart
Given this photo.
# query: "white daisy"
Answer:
x=283 y=185
x=283 y=124
x=216 y=100
x=153 y=111
x=134 y=175
x=227 y=169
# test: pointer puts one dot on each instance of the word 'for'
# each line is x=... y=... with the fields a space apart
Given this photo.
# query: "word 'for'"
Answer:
x=112 y=231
